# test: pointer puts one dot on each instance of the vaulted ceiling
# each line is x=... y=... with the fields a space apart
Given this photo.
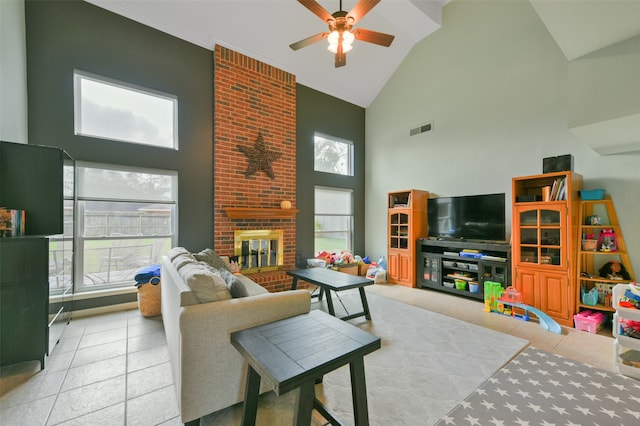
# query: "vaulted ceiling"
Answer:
x=264 y=29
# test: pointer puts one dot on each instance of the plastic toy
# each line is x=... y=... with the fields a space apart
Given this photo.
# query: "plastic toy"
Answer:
x=506 y=301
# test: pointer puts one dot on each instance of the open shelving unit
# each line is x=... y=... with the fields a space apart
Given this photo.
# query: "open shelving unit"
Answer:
x=591 y=257
x=625 y=346
x=440 y=263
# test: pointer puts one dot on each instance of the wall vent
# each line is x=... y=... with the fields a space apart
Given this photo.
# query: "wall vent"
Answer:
x=424 y=128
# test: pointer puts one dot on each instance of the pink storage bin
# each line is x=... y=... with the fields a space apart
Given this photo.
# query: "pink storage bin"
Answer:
x=589 y=321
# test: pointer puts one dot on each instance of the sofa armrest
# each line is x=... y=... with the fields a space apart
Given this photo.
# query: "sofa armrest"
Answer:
x=212 y=371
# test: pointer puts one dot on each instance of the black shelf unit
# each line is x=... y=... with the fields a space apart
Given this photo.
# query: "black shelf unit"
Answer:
x=31 y=179
x=439 y=263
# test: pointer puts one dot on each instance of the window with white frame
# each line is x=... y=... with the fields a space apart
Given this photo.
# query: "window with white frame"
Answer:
x=333 y=155
x=333 y=219
x=126 y=219
x=109 y=109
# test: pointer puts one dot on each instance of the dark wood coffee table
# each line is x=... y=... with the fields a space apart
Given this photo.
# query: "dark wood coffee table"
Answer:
x=328 y=280
x=295 y=352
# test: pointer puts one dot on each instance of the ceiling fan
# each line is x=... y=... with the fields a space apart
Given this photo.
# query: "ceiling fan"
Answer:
x=341 y=32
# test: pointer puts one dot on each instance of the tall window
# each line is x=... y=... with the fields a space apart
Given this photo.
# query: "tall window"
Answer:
x=126 y=219
x=61 y=246
x=333 y=155
x=110 y=109
x=333 y=219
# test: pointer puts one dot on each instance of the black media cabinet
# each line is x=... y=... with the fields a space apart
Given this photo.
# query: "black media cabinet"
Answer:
x=439 y=264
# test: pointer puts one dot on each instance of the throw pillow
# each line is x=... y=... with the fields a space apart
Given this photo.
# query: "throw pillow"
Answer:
x=207 y=286
x=235 y=286
x=212 y=258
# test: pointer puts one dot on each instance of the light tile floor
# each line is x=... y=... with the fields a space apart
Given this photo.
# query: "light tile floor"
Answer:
x=113 y=369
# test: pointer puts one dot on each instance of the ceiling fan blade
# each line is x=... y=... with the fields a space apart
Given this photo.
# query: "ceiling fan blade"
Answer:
x=308 y=41
x=361 y=8
x=373 y=37
x=315 y=7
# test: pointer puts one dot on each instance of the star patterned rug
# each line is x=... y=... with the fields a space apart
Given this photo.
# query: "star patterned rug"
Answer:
x=538 y=388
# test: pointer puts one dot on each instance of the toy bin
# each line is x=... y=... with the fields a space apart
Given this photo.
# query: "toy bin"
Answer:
x=589 y=321
x=593 y=194
x=461 y=284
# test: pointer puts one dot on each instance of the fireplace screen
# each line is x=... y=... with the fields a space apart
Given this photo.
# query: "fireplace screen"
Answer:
x=259 y=250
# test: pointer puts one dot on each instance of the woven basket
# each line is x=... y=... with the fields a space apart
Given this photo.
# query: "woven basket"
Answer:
x=149 y=299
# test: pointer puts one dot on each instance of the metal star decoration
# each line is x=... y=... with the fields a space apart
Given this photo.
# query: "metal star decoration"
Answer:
x=259 y=158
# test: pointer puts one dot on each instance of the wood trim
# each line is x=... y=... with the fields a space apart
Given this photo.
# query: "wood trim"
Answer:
x=259 y=213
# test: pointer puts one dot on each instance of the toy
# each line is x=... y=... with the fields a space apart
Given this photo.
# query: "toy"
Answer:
x=614 y=270
x=607 y=241
x=509 y=299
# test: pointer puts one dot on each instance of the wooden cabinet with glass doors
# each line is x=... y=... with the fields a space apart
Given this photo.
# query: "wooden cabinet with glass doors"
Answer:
x=406 y=223
x=543 y=234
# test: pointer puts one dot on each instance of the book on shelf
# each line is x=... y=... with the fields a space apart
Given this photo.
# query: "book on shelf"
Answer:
x=558 y=190
x=12 y=222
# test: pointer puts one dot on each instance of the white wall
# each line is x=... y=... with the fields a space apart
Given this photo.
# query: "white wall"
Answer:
x=495 y=85
x=13 y=72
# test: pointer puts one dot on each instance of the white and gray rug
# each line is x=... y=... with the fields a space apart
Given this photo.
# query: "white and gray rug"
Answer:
x=428 y=363
x=538 y=388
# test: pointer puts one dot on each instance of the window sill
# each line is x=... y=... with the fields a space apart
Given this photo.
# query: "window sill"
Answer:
x=92 y=294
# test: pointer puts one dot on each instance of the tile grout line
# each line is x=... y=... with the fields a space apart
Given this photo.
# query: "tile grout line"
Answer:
x=66 y=373
x=126 y=371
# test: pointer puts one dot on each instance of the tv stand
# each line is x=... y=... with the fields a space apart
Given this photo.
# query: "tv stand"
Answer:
x=439 y=264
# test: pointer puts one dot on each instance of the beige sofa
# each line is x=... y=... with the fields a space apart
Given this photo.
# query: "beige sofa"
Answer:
x=209 y=374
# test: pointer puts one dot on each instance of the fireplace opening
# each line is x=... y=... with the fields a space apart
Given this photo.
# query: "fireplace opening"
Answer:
x=259 y=250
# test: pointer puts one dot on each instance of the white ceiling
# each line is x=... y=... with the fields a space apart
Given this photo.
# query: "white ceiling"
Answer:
x=584 y=26
x=263 y=30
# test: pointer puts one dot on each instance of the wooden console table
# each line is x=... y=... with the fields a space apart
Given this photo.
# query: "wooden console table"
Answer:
x=295 y=352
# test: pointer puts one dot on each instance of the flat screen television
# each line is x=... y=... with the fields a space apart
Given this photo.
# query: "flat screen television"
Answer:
x=469 y=217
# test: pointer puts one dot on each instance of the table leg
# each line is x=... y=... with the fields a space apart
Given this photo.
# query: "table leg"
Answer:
x=251 y=393
x=304 y=406
x=365 y=305
x=359 y=392
x=294 y=283
x=330 y=303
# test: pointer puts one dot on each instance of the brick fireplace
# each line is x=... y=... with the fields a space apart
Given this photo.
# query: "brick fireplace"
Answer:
x=252 y=100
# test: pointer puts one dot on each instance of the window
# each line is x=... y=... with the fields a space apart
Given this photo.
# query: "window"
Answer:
x=113 y=110
x=61 y=246
x=333 y=219
x=126 y=219
x=332 y=155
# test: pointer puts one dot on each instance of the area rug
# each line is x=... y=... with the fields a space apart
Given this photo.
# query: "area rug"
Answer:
x=540 y=388
x=428 y=363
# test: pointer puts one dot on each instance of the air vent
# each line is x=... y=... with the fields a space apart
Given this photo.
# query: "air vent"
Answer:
x=424 y=128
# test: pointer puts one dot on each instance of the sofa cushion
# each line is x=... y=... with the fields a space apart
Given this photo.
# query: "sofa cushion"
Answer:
x=253 y=288
x=183 y=259
x=176 y=251
x=212 y=258
x=206 y=285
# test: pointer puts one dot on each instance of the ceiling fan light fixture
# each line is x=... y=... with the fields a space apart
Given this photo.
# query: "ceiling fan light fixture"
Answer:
x=347 y=40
